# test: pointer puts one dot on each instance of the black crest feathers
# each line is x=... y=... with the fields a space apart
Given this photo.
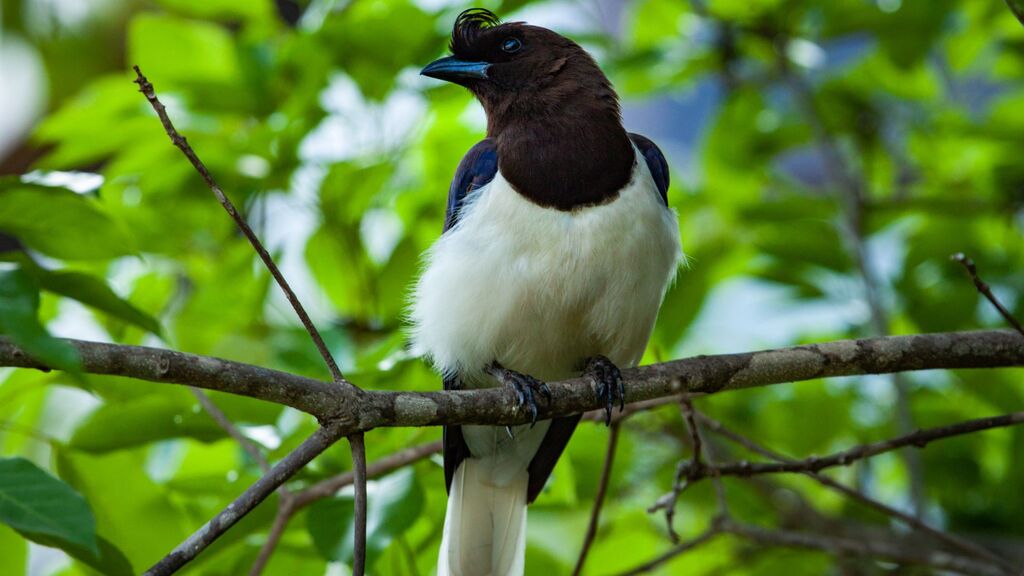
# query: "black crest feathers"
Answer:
x=468 y=27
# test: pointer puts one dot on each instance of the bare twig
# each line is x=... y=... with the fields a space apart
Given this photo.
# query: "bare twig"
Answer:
x=918 y=439
x=284 y=514
x=602 y=489
x=252 y=497
x=228 y=426
x=400 y=459
x=912 y=521
x=178 y=140
x=356 y=441
x=985 y=291
x=359 y=482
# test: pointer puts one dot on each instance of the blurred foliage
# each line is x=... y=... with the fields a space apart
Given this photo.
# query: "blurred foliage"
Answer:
x=340 y=156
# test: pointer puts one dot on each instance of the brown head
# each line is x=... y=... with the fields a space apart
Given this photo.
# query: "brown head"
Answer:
x=551 y=110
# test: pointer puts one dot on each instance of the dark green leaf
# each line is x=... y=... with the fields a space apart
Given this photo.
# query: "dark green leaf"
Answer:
x=35 y=503
x=19 y=303
x=94 y=292
x=60 y=223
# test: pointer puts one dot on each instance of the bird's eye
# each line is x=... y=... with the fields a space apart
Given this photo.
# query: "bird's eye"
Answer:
x=511 y=45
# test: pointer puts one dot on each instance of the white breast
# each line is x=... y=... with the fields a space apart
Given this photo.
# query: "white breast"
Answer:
x=539 y=289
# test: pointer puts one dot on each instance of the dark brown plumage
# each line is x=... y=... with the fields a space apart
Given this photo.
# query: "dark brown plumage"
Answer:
x=551 y=111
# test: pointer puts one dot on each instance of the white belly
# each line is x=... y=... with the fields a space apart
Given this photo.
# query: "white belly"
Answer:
x=540 y=290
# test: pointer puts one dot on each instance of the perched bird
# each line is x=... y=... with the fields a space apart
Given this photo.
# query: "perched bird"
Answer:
x=557 y=249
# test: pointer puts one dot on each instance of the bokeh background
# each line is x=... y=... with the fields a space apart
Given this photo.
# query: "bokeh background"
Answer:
x=827 y=159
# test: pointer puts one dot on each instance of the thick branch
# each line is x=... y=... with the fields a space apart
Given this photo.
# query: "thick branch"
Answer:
x=352 y=410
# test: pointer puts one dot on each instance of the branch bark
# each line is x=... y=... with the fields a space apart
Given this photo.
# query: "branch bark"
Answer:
x=353 y=410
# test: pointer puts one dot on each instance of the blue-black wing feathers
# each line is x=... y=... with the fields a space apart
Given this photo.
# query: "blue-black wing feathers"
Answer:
x=655 y=163
x=477 y=168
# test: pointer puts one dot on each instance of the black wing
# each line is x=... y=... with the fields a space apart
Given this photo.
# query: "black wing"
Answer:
x=655 y=163
x=477 y=168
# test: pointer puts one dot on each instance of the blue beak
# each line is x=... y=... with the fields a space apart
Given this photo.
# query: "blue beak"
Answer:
x=453 y=70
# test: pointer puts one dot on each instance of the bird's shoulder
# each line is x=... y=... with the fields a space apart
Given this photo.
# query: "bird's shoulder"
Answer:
x=656 y=162
x=476 y=170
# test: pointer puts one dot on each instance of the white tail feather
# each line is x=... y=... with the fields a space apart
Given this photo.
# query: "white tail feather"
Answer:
x=485 y=524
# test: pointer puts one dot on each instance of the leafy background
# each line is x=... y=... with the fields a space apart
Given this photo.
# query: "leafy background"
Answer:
x=312 y=117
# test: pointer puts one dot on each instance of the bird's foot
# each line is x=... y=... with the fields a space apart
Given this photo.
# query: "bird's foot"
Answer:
x=608 y=380
x=527 y=387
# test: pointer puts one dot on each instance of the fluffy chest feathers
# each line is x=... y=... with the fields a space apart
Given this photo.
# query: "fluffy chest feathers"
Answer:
x=540 y=289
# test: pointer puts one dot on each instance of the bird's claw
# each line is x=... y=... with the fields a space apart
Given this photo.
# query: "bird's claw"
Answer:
x=526 y=388
x=608 y=380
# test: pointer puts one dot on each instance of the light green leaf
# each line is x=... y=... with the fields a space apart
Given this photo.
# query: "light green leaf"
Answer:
x=13 y=551
x=177 y=49
x=35 y=503
x=60 y=223
x=19 y=303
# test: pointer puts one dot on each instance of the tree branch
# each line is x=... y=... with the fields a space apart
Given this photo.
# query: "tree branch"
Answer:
x=352 y=410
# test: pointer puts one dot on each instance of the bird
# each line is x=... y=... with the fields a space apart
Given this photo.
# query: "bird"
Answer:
x=557 y=249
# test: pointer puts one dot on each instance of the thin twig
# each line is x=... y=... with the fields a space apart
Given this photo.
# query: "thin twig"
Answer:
x=955 y=541
x=918 y=439
x=228 y=426
x=985 y=291
x=359 y=477
x=329 y=487
x=356 y=441
x=246 y=502
x=284 y=513
x=602 y=489
x=178 y=140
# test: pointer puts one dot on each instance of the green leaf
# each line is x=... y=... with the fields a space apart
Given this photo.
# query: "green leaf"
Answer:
x=177 y=49
x=60 y=223
x=393 y=505
x=19 y=303
x=39 y=505
x=94 y=292
x=124 y=425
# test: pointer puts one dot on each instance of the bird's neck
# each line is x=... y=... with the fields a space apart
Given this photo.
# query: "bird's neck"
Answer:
x=565 y=161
